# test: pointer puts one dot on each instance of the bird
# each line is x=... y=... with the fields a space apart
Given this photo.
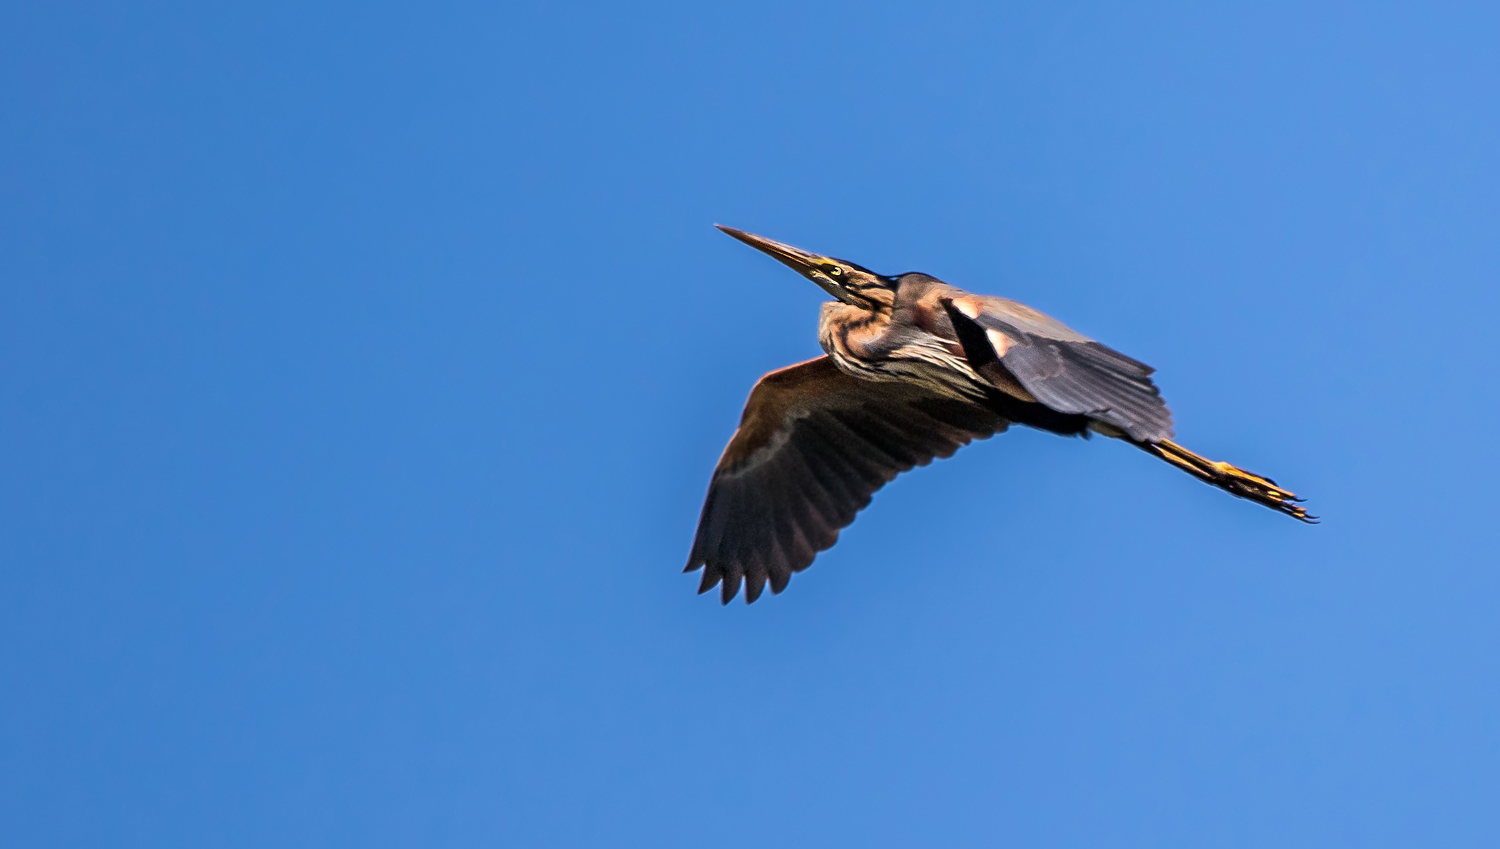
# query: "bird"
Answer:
x=913 y=369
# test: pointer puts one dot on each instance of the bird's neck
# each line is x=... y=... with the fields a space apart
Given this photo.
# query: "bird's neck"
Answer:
x=883 y=346
x=852 y=336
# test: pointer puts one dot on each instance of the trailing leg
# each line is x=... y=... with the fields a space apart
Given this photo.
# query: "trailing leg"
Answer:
x=1231 y=479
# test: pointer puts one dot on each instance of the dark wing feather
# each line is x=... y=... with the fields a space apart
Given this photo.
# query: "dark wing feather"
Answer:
x=1062 y=369
x=813 y=446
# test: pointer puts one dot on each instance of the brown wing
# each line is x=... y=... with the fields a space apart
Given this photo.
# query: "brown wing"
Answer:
x=1061 y=368
x=813 y=446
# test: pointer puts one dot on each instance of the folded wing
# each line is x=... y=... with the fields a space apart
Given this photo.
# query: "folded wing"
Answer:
x=1061 y=368
x=813 y=446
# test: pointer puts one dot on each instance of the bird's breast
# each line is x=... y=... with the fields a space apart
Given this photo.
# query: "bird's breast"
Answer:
x=876 y=346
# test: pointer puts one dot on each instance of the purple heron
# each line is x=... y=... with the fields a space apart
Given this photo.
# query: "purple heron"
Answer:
x=914 y=369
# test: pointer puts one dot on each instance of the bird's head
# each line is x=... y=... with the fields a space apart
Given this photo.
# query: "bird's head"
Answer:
x=850 y=283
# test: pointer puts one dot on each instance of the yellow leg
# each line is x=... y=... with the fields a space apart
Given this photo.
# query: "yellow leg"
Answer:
x=1231 y=479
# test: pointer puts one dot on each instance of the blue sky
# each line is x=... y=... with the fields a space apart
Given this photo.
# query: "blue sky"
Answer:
x=365 y=365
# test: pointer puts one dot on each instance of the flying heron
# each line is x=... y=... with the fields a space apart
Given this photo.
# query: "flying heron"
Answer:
x=914 y=369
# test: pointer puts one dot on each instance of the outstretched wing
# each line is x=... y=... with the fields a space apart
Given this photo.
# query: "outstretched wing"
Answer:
x=813 y=446
x=1060 y=367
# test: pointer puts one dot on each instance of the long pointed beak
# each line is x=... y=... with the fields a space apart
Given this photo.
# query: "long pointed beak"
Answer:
x=797 y=259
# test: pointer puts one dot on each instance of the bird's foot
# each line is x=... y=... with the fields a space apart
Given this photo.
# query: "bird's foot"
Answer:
x=1259 y=489
x=1234 y=480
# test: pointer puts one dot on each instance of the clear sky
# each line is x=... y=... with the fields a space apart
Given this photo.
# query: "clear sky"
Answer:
x=364 y=366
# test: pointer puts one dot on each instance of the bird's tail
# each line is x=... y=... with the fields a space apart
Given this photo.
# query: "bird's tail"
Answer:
x=1235 y=481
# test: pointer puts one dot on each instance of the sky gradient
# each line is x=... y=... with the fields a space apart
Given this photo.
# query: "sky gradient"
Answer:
x=364 y=366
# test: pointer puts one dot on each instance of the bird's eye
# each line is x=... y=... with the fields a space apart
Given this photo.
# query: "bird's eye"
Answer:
x=833 y=270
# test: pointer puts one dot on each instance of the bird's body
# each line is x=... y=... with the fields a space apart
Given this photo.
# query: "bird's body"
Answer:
x=910 y=338
x=914 y=338
x=915 y=368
